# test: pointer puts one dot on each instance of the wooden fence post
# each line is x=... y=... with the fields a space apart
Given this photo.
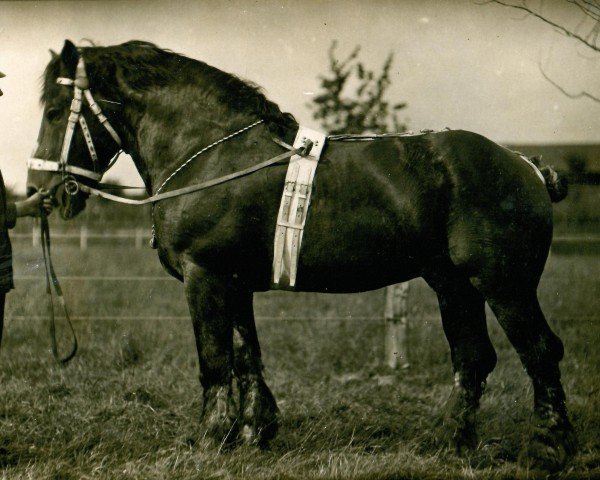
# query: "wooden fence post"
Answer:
x=396 y=319
x=139 y=238
x=83 y=238
x=35 y=234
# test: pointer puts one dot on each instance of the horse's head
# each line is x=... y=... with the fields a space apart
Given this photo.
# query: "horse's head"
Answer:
x=76 y=141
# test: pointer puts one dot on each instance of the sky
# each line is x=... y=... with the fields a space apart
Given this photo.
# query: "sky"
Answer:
x=457 y=63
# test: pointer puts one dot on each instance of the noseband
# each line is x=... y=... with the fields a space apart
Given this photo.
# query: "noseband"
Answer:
x=81 y=90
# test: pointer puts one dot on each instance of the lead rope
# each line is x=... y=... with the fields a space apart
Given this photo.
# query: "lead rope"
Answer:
x=52 y=282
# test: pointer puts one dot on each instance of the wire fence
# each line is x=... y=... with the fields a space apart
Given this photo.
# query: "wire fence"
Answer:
x=141 y=236
x=395 y=312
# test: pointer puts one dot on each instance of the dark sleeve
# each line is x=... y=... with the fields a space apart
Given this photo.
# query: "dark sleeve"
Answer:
x=11 y=214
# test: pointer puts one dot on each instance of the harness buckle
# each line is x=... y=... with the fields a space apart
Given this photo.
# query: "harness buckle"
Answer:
x=76 y=105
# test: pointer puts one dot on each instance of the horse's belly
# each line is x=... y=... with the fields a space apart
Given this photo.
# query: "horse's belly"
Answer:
x=355 y=278
x=365 y=257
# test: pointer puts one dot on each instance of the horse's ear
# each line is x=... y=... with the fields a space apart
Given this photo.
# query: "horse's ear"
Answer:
x=70 y=56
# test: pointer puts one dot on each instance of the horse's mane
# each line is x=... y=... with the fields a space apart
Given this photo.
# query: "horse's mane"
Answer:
x=146 y=66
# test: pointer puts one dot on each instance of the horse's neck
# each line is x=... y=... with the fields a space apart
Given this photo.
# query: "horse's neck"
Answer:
x=169 y=129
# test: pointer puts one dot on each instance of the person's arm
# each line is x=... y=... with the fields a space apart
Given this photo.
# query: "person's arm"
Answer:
x=30 y=207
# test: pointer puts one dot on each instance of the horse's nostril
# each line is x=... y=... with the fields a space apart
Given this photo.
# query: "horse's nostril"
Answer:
x=31 y=190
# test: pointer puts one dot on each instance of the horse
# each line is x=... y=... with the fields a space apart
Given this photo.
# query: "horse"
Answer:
x=469 y=216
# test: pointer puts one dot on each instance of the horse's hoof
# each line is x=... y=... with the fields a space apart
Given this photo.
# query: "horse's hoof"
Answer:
x=459 y=431
x=460 y=438
x=219 y=421
x=253 y=436
x=222 y=432
x=547 y=451
x=258 y=416
x=538 y=459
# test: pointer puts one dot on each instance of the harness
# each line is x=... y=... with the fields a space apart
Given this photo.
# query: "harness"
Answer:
x=81 y=90
x=293 y=208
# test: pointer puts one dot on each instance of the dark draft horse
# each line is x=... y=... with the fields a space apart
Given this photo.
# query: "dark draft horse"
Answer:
x=469 y=216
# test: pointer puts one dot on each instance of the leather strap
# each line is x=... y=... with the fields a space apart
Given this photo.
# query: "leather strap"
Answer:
x=49 y=166
x=80 y=90
x=53 y=283
x=89 y=142
x=293 y=209
x=197 y=187
x=96 y=110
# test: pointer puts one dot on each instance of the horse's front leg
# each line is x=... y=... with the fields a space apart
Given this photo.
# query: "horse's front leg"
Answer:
x=258 y=409
x=212 y=309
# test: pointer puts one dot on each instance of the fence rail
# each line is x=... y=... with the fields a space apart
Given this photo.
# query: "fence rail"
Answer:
x=395 y=313
x=141 y=236
x=423 y=318
x=138 y=235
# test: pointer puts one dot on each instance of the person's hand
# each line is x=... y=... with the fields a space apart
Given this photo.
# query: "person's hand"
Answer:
x=31 y=205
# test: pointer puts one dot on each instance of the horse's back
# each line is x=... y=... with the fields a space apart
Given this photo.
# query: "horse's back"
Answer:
x=381 y=210
x=377 y=209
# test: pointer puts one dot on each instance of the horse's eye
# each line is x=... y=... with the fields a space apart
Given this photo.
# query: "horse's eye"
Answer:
x=53 y=114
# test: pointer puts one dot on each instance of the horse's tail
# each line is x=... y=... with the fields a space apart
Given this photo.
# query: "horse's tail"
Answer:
x=556 y=184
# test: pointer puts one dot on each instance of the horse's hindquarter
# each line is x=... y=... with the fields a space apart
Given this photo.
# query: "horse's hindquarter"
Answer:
x=383 y=211
x=500 y=215
x=377 y=211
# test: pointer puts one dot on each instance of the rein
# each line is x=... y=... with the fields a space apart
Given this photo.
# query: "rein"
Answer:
x=53 y=283
x=81 y=92
x=199 y=186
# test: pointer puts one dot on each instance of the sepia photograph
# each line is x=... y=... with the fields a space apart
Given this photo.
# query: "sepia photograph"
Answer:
x=318 y=239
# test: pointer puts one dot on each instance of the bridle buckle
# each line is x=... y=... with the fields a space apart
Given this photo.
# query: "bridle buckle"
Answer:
x=71 y=185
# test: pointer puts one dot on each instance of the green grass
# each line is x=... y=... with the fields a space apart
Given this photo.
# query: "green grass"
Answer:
x=127 y=407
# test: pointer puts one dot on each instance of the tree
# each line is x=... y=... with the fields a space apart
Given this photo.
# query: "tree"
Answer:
x=586 y=32
x=352 y=101
x=352 y=97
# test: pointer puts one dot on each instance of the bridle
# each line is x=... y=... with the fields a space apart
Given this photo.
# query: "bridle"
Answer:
x=81 y=91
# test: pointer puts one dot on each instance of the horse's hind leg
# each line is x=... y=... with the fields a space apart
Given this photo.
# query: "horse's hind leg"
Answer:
x=473 y=356
x=212 y=308
x=553 y=440
x=258 y=409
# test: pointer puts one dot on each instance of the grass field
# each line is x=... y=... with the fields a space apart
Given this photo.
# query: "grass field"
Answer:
x=127 y=407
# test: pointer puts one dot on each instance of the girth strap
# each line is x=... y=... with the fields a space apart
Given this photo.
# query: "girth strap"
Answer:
x=293 y=209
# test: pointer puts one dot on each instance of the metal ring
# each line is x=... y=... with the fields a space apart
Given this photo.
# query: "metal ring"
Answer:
x=71 y=186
